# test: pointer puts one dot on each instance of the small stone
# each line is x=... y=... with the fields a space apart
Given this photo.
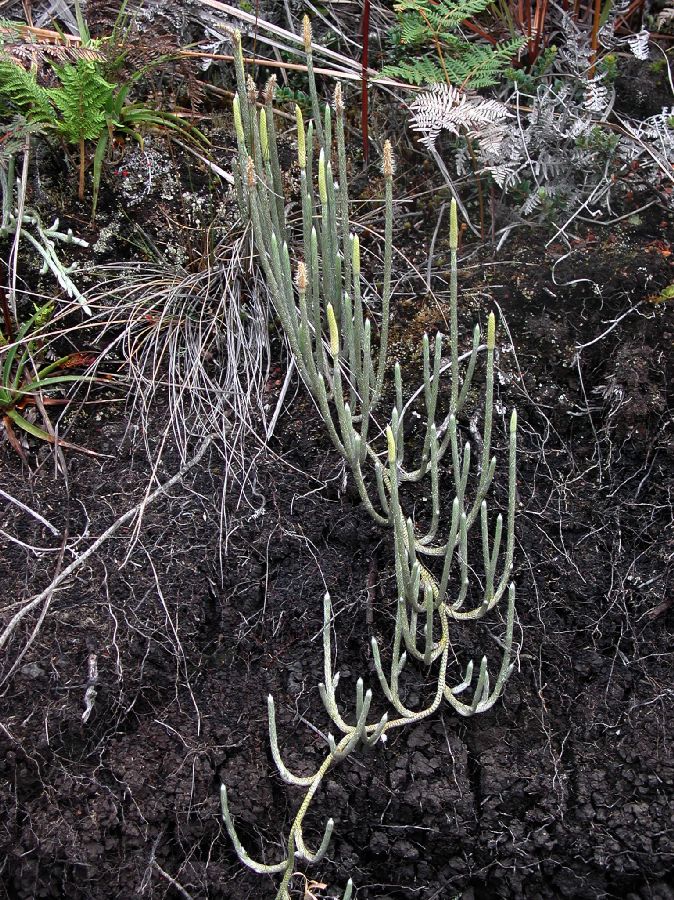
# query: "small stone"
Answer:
x=32 y=670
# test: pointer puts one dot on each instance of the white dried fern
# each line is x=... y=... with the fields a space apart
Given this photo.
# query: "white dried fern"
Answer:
x=638 y=44
x=596 y=97
x=559 y=152
x=532 y=202
x=446 y=108
x=504 y=175
x=656 y=130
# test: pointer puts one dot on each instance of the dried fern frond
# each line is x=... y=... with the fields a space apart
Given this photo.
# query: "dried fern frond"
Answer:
x=561 y=152
x=638 y=44
x=27 y=45
x=596 y=95
x=447 y=108
x=33 y=52
x=656 y=133
x=532 y=202
x=505 y=175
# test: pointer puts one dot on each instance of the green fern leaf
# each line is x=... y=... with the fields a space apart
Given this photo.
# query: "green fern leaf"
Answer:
x=82 y=99
x=417 y=71
x=413 y=30
x=450 y=15
x=468 y=64
x=481 y=66
x=20 y=90
x=9 y=30
x=421 y=19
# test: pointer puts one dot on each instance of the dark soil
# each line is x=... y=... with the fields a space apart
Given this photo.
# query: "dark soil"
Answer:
x=564 y=789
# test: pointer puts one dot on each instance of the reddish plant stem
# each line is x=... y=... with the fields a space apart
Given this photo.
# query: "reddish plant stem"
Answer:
x=539 y=27
x=80 y=191
x=595 y=35
x=476 y=29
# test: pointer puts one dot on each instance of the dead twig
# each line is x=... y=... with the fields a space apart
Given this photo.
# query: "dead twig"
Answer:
x=174 y=884
x=31 y=512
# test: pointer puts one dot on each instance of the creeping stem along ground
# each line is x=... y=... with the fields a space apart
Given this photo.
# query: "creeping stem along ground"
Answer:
x=322 y=314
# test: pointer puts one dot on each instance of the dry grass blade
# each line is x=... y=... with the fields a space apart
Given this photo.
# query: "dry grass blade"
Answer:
x=263 y=29
x=196 y=347
x=191 y=337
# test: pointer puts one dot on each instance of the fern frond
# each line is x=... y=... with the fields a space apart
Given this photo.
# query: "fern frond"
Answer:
x=483 y=65
x=658 y=130
x=532 y=202
x=21 y=91
x=446 y=107
x=416 y=71
x=452 y=14
x=442 y=15
x=596 y=95
x=505 y=175
x=638 y=44
x=43 y=51
x=9 y=30
x=413 y=30
x=491 y=140
x=82 y=100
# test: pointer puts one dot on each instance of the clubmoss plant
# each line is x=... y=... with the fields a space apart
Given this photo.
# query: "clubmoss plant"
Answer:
x=323 y=316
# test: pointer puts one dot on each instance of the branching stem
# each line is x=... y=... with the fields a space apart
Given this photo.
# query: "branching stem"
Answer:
x=345 y=377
